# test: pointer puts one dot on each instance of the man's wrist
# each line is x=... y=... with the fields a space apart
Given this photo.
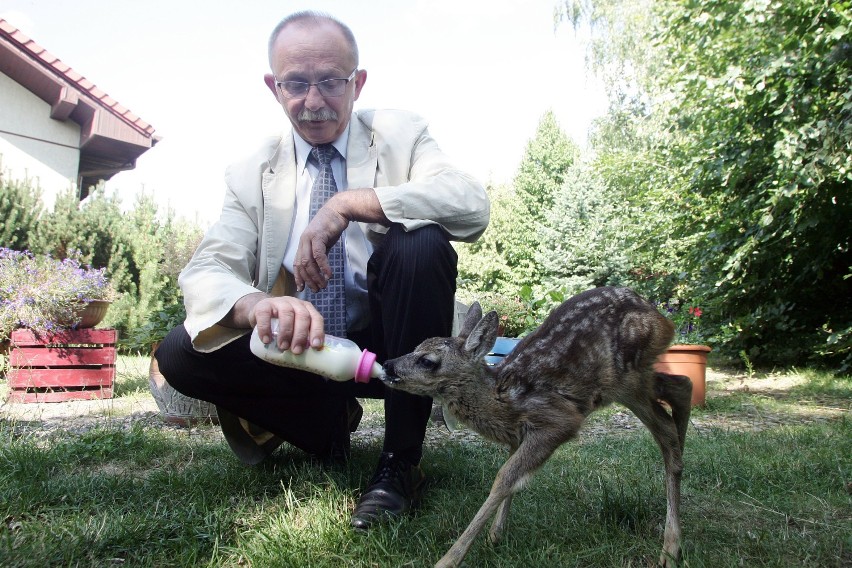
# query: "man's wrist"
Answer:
x=359 y=205
x=239 y=317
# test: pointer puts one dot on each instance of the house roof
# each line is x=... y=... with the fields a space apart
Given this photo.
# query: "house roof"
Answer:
x=111 y=137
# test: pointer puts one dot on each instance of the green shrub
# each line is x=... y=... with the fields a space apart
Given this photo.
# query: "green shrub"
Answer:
x=20 y=207
x=155 y=328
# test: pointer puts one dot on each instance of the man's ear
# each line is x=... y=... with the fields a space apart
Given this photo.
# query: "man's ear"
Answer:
x=360 y=79
x=269 y=79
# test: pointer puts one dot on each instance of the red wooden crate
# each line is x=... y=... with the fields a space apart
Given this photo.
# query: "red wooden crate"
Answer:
x=70 y=365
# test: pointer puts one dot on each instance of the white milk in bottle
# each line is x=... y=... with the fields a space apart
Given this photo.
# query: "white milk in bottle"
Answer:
x=338 y=359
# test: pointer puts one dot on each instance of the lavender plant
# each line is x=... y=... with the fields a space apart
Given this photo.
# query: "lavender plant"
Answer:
x=46 y=294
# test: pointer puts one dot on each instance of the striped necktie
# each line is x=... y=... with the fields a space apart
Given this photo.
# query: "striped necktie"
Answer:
x=330 y=301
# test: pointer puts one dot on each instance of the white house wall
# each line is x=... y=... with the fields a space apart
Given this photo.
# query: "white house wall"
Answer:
x=34 y=146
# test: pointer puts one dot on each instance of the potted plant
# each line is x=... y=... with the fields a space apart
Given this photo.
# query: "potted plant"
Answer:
x=46 y=308
x=48 y=295
x=688 y=353
x=175 y=408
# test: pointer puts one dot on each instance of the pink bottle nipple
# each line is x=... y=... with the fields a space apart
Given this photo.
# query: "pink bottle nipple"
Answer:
x=365 y=367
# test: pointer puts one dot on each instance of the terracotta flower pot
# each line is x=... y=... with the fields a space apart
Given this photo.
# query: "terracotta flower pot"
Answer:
x=688 y=360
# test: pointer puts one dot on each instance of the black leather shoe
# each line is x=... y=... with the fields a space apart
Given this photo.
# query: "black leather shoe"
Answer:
x=395 y=489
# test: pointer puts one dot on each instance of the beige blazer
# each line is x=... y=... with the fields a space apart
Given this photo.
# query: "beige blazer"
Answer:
x=242 y=252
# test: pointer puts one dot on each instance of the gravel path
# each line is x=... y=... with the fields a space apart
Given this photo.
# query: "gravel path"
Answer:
x=42 y=420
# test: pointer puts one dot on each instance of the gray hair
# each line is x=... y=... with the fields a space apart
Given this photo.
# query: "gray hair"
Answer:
x=313 y=18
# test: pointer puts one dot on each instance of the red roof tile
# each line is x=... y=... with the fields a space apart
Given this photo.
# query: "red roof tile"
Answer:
x=54 y=64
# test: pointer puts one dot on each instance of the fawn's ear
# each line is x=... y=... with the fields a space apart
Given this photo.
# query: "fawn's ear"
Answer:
x=474 y=314
x=481 y=339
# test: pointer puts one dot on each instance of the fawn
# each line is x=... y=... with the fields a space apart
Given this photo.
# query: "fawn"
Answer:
x=596 y=348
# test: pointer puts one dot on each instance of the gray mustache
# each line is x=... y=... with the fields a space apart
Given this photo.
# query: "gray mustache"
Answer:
x=320 y=115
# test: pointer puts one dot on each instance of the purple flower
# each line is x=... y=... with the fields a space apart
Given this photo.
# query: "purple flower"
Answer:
x=43 y=293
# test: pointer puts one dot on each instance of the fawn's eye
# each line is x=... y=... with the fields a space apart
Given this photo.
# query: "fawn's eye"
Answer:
x=427 y=363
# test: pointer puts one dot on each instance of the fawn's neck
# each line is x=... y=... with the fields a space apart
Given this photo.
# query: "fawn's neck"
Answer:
x=479 y=407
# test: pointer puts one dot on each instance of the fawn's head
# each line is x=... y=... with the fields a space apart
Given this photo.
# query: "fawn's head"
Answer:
x=438 y=364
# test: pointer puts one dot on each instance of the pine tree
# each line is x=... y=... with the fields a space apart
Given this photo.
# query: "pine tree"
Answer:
x=547 y=158
x=20 y=207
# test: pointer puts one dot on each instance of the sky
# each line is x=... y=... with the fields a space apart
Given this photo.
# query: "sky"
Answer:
x=483 y=72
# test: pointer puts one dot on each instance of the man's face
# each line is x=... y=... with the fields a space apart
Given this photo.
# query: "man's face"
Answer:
x=313 y=54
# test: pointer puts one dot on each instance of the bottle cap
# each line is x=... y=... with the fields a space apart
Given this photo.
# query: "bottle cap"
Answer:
x=365 y=367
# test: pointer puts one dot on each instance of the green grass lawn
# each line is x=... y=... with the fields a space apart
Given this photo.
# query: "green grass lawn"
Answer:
x=140 y=494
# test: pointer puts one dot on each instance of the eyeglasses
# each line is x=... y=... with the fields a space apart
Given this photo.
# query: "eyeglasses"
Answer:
x=327 y=88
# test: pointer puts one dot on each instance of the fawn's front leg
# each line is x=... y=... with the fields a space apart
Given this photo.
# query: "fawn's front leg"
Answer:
x=499 y=524
x=458 y=551
x=500 y=518
x=531 y=454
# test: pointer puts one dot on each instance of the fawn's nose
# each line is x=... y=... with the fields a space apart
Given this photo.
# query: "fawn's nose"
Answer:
x=390 y=374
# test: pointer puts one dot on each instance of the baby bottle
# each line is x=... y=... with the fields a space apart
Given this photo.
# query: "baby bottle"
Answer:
x=338 y=359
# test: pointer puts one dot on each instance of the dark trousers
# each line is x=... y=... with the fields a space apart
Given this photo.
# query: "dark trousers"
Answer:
x=411 y=284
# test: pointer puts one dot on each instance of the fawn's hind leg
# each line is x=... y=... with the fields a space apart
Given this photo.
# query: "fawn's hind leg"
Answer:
x=669 y=436
x=676 y=390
